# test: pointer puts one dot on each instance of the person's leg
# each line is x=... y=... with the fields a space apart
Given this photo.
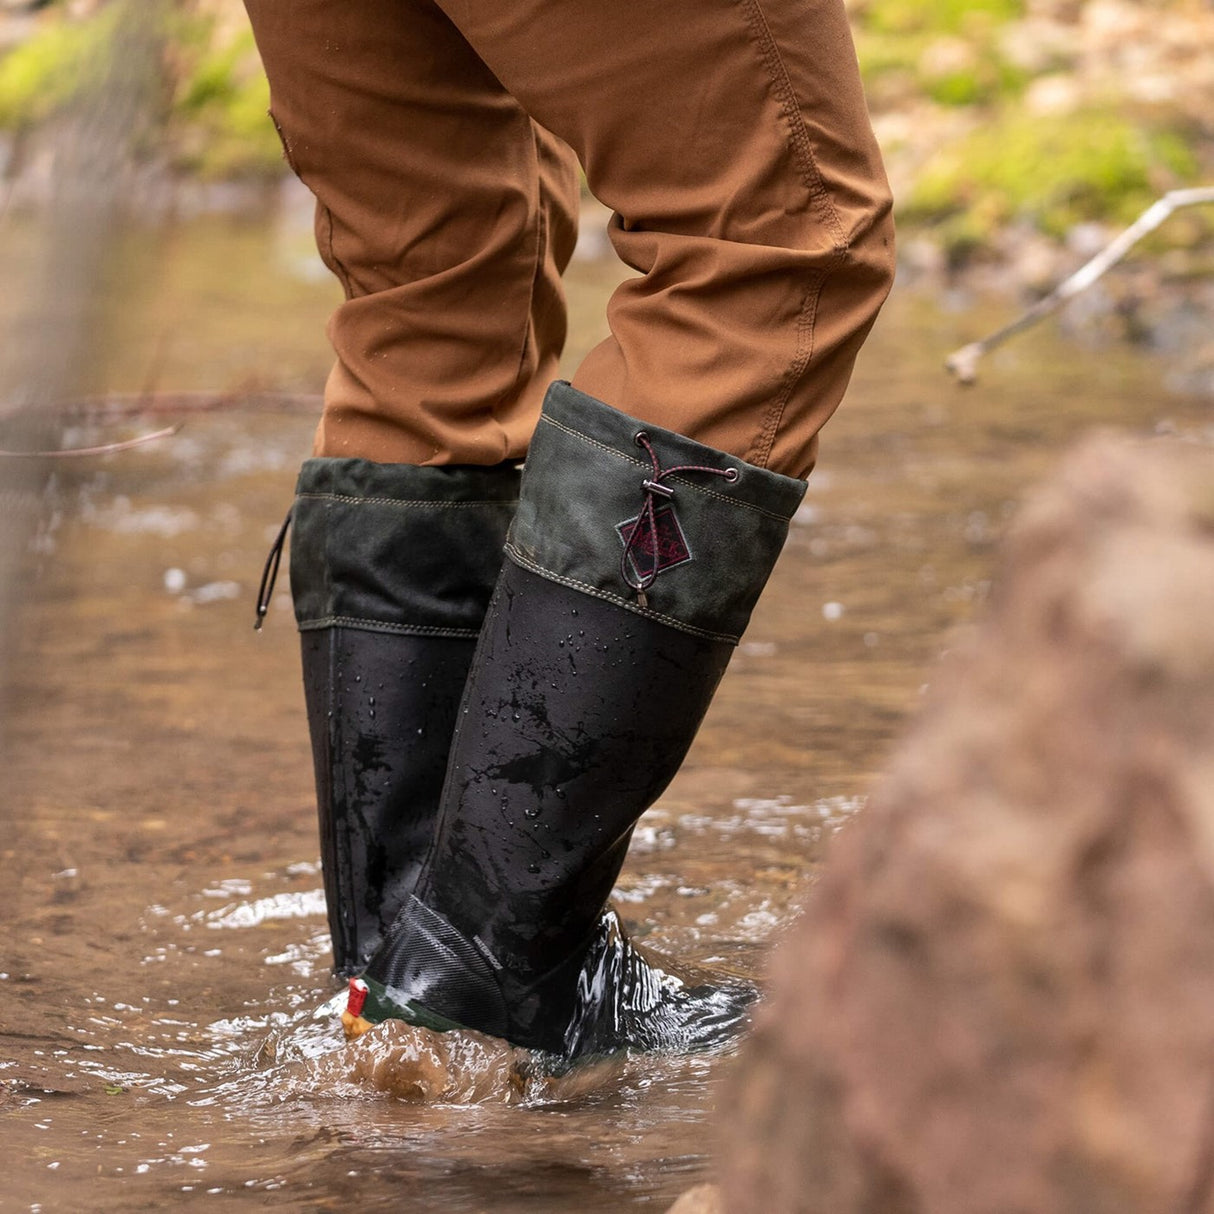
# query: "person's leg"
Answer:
x=732 y=141
x=448 y=217
x=446 y=214
x=733 y=144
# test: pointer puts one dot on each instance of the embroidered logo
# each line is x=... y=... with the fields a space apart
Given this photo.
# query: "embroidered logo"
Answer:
x=667 y=534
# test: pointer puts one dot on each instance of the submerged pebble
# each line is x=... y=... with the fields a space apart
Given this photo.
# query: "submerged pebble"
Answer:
x=420 y=1066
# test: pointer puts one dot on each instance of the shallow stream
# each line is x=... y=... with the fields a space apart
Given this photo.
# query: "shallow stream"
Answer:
x=162 y=944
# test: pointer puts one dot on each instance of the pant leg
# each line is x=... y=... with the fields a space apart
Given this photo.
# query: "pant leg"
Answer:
x=445 y=212
x=732 y=141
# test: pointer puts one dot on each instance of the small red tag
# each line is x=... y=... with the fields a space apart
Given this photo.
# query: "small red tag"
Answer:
x=358 y=996
x=671 y=542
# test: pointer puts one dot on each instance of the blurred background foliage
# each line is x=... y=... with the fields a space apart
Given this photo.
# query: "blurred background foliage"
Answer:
x=1034 y=117
x=218 y=93
x=1039 y=114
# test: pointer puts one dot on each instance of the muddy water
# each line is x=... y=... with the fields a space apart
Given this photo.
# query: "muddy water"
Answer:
x=163 y=953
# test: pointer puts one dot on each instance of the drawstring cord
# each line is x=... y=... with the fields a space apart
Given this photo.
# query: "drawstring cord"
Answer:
x=269 y=575
x=654 y=488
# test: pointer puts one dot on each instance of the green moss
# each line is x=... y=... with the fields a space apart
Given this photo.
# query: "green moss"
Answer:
x=881 y=54
x=982 y=83
x=902 y=17
x=895 y=42
x=1053 y=172
x=39 y=77
x=218 y=126
x=220 y=109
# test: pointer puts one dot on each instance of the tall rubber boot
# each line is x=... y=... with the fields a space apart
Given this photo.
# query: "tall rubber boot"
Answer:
x=392 y=569
x=633 y=565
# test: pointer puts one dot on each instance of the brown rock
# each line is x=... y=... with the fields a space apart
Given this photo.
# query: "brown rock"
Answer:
x=703 y=1199
x=1001 y=996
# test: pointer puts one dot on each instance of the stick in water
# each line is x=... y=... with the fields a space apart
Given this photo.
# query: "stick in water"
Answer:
x=107 y=449
x=963 y=363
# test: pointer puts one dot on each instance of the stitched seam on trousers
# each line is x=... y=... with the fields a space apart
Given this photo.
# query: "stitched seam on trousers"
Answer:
x=786 y=95
x=811 y=175
x=289 y=156
x=720 y=497
x=538 y=268
x=339 y=267
x=362 y=625
x=395 y=501
x=803 y=353
x=594 y=592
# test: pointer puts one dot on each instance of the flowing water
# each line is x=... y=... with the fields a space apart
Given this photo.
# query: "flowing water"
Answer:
x=164 y=1034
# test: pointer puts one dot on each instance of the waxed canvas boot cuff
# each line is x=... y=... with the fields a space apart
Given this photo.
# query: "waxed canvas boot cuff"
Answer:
x=396 y=547
x=645 y=518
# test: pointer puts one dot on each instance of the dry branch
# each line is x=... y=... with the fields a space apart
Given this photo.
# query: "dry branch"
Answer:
x=104 y=449
x=963 y=363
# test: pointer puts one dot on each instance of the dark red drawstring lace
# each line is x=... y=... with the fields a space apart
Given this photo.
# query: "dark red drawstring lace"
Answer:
x=269 y=575
x=647 y=521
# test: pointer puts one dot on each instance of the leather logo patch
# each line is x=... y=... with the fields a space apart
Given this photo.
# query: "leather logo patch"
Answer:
x=672 y=546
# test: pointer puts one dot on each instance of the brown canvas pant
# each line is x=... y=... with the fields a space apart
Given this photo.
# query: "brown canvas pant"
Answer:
x=730 y=138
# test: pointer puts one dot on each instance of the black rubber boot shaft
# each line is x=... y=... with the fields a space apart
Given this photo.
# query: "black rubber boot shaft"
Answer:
x=577 y=717
x=381 y=711
x=583 y=700
x=392 y=568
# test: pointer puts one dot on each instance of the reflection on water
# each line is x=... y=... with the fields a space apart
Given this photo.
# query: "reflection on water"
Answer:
x=165 y=958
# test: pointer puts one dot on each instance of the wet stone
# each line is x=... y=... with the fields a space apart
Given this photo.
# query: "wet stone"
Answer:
x=998 y=999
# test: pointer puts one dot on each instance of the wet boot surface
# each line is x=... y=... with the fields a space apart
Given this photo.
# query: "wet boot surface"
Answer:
x=589 y=683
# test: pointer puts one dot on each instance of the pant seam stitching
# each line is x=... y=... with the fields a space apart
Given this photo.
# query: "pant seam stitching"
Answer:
x=538 y=266
x=801 y=146
x=339 y=266
x=786 y=97
x=802 y=356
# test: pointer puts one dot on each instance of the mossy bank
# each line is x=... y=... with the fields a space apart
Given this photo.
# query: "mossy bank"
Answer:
x=1008 y=125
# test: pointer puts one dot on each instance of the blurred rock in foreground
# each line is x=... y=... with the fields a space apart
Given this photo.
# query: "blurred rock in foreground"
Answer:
x=1001 y=997
x=703 y=1199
